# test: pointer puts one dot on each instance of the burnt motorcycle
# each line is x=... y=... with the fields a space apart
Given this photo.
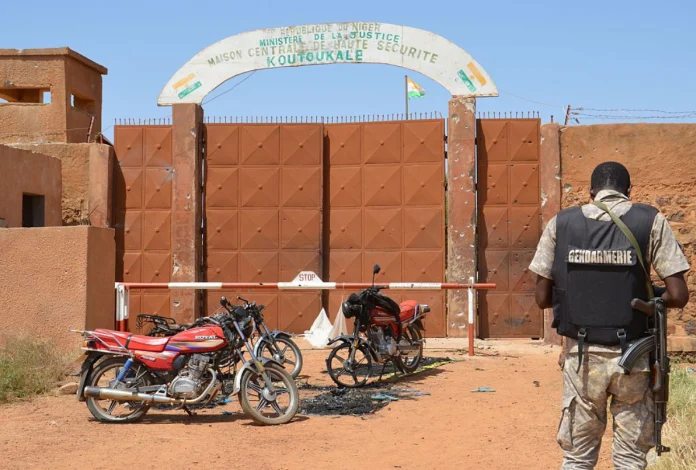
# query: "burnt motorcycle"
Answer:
x=124 y=374
x=383 y=332
x=276 y=345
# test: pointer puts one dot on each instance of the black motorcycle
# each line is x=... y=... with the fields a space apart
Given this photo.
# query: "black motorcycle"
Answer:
x=384 y=332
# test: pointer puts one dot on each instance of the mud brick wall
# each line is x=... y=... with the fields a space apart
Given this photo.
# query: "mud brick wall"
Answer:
x=662 y=161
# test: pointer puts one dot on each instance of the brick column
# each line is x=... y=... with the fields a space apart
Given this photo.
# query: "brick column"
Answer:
x=187 y=132
x=550 y=174
x=461 y=208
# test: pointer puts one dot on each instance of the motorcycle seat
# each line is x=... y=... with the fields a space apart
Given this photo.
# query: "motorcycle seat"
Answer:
x=131 y=341
x=408 y=310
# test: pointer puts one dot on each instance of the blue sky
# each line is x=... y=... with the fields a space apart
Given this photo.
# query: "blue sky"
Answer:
x=543 y=55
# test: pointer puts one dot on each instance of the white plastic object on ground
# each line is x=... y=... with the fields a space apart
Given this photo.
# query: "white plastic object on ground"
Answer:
x=339 y=326
x=318 y=334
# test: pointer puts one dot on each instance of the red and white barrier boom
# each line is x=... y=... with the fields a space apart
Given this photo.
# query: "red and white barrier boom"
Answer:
x=306 y=280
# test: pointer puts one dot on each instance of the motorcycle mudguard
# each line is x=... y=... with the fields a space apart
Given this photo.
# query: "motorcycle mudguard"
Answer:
x=238 y=376
x=343 y=339
x=349 y=340
x=275 y=334
x=281 y=334
x=86 y=372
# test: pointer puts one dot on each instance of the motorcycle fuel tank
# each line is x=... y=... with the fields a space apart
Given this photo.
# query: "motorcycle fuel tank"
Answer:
x=196 y=340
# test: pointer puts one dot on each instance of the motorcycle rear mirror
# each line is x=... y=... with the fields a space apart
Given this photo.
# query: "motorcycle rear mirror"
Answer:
x=223 y=301
x=375 y=270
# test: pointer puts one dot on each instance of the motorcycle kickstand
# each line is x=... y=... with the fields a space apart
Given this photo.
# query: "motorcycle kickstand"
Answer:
x=188 y=412
x=384 y=366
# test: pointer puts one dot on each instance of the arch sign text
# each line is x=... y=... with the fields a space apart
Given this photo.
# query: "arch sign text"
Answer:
x=332 y=43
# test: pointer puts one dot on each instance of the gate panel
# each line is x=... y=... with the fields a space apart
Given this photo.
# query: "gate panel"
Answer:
x=263 y=196
x=509 y=226
x=386 y=206
x=142 y=212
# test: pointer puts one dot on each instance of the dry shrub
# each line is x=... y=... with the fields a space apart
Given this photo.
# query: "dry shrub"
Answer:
x=29 y=366
x=680 y=431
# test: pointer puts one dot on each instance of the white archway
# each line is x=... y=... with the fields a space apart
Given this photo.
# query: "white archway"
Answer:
x=331 y=43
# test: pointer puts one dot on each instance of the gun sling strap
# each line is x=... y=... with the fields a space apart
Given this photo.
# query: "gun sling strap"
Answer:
x=582 y=332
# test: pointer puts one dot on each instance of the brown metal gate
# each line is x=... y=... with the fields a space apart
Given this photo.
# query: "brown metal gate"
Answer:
x=282 y=198
x=263 y=214
x=385 y=200
x=142 y=212
x=509 y=224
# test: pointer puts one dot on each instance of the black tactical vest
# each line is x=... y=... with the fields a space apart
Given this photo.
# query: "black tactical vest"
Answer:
x=596 y=274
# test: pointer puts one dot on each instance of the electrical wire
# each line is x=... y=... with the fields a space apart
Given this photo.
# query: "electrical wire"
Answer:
x=532 y=101
x=235 y=86
x=581 y=108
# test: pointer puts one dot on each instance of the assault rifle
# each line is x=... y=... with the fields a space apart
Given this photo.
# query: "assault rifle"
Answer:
x=656 y=346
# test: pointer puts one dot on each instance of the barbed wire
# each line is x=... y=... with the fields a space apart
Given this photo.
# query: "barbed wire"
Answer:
x=613 y=116
x=582 y=108
x=602 y=113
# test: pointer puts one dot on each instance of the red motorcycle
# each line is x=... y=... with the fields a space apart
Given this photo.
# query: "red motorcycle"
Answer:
x=391 y=333
x=124 y=374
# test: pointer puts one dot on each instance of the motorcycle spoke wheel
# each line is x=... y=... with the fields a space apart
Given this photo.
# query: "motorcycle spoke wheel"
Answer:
x=346 y=372
x=112 y=411
x=411 y=360
x=263 y=405
x=287 y=354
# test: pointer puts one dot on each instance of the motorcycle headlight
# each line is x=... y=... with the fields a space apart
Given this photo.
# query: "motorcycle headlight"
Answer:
x=350 y=309
x=347 y=311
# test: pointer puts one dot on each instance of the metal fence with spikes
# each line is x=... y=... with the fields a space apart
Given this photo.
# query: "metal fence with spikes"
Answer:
x=163 y=121
x=167 y=121
x=319 y=119
x=508 y=115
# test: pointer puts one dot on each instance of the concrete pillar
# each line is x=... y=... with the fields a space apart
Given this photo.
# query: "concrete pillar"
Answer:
x=461 y=208
x=187 y=133
x=550 y=174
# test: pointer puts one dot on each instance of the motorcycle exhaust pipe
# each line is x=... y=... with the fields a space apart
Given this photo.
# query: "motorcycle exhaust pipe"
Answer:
x=409 y=348
x=105 y=393
x=123 y=395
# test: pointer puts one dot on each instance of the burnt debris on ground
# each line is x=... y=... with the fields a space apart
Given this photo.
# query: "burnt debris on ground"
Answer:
x=355 y=401
x=370 y=398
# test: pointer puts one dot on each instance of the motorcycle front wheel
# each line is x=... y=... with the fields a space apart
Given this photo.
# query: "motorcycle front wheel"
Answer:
x=287 y=353
x=268 y=407
x=346 y=372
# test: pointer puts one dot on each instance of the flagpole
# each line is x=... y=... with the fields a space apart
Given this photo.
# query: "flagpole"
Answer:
x=406 y=93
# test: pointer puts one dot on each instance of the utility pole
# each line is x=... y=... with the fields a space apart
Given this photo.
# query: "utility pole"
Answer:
x=567 y=116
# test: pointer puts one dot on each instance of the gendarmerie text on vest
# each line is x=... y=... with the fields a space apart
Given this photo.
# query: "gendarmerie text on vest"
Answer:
x=610 y=257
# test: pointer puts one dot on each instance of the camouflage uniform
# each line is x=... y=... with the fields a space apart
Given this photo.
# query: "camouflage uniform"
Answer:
x=585 y=394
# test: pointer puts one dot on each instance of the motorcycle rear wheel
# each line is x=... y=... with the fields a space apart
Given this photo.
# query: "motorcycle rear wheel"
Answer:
x=283 y=384
x=132 y=411
x=294 y=360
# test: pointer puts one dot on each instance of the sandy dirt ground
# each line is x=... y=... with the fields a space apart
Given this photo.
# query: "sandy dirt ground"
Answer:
x=452 y=427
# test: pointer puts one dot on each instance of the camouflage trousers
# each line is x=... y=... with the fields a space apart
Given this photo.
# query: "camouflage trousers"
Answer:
x=584 y=417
